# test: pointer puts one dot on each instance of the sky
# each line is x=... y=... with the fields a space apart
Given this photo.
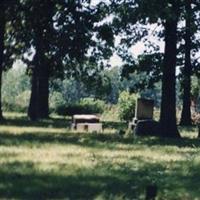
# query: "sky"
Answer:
x=138 y=48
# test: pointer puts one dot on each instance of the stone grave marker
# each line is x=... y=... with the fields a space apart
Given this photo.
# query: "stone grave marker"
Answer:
x=143 y=111
x=87 y=123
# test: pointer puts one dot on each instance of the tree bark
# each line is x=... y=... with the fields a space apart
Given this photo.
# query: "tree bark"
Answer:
x=186 y=110
x=44 y=92
x=39 y=102
x=168 y=102
x=33 y=105
x=2 y=34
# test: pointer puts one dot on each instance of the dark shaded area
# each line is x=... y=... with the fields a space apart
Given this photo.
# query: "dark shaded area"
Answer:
x=168 y=100
x=115 y=125
x=23 y=181
x=151 y=192
x=24 y=122
x=187 y=70
x=181 y=143
x=148 y=127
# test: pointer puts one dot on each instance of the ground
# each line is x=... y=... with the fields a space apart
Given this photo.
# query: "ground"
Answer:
x=45 y=160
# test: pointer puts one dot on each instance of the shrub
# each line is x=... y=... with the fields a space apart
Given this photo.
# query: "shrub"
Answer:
x=111 y=113
x=57 y=103
x=126 y=105
x=85 y=106
x=196 y=118
x=91 y=105
x=17 y=104
x=22 y=101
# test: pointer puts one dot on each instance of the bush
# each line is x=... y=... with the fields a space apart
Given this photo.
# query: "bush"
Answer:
x=91 y=105
x=57 y=103
x=126 y=105
x=111 y=113
x=18 y=104
x=85 y=106
x=196 y=118
x=22 y=101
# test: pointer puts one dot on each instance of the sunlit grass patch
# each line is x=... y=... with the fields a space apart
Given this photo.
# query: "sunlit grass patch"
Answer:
x=46 y=160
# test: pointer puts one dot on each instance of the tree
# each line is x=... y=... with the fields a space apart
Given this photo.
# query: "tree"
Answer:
x=186 y=111
x=2 y=34
x=168 y=102
x=7 y=56
x=63 y=36
x=165 y=13
x=41 y=22
x=191 y=48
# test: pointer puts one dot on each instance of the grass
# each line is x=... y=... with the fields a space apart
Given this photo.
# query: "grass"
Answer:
x=45 y=160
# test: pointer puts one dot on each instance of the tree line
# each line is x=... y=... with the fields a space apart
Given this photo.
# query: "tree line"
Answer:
x=75 y=38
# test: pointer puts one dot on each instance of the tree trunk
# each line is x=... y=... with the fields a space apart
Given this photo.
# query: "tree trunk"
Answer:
x=39 y=101
x=33 y=105
x=168 y=103
x=44 y=92
x=186 y=111
x=41 y=89
x=2 y=33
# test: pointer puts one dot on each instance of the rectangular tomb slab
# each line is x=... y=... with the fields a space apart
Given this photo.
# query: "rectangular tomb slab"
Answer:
x=85 y=119
x=89 y=127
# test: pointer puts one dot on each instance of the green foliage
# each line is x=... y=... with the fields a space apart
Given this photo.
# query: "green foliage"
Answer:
x=111 y=113
x=15 y=90
x=22 y=100
x=18 y=103
x=84 y=106
x=126 y=104
x=56 y=102
x=93 y=105
x=147 y=64
x=195 y=87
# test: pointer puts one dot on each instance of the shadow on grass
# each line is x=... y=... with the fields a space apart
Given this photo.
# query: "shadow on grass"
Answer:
x=115 y=125
x=23 y=181
x=181 y=143
x=25 y=122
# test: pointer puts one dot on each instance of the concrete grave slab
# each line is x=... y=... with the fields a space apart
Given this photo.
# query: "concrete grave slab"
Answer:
x=85 y=119
x=89 y=127
x=87 y=123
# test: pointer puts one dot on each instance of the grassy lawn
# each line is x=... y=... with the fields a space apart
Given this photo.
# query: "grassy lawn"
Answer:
x=44 y=160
